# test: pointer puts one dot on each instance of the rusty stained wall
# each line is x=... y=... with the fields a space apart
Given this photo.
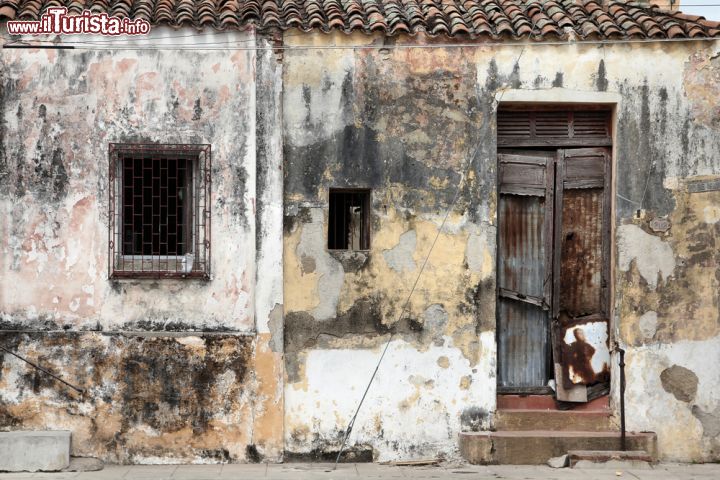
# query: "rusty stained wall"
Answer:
x=402 y=122
x=194 y=397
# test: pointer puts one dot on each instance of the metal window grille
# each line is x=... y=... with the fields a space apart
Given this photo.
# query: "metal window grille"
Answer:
x=349 y=220
x=159 y=212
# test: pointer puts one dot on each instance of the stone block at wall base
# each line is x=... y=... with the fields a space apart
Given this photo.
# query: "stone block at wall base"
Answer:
x=33 y=451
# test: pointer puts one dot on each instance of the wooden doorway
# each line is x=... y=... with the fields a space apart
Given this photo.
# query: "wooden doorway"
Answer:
x=553 y=251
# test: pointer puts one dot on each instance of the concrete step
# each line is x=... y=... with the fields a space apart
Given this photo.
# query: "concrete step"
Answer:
x=33 y=451
x=535 y=447
x=556 y=420
x=547 y=402
x=609 y=459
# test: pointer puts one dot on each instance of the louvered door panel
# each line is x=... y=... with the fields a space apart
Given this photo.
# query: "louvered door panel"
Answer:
x=591 y=125
x=552 y=124
x=514 y=126
x=555 y=128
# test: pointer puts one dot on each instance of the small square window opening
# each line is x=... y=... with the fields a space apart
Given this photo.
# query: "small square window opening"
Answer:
x=159 y=211
x=349 y=222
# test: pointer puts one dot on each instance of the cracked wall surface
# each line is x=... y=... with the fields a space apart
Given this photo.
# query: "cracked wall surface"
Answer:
x=60 y=111
x=671 y=322
x=404 y=127
x=175 y=370
x=403 y=122
x=285 y=336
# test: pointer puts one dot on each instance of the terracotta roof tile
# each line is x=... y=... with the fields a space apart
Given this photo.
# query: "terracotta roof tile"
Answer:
x=494 y=19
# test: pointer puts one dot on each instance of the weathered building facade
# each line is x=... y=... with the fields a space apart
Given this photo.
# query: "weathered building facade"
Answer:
x=266 y=353
x=195 y=346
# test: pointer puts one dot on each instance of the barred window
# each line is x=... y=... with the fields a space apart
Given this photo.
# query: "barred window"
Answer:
x=159 y=211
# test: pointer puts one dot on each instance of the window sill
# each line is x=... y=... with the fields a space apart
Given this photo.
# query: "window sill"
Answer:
x=158 y=266
x=121 y=275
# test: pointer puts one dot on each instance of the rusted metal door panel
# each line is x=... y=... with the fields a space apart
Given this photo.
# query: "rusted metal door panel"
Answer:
x=581 y=253
x=523 y=343
x=522 y=246
x=524 y=267
x=580 y=270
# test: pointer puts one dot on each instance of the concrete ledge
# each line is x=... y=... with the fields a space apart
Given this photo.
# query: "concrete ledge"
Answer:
x=556 y=420
x=557 y=95
x=29 y=451
x=536 y=447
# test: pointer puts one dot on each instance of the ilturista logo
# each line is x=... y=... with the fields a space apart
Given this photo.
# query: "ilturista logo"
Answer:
x=56 y=20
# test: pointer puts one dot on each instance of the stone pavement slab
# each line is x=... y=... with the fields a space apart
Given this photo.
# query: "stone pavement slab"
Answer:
x=320 y=471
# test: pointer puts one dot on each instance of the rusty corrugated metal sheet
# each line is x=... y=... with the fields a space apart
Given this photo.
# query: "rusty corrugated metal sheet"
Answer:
x=523 y=328
x=522 y=244
x=522 y=336
x=582 y=328
x=581 y=258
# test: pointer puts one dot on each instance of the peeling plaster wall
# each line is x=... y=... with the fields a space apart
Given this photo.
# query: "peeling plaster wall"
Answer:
x=60 y=111
x=174 y=369
x=667 y=302
x=403 y=122
x=149 y=399
x=668 y=276
x=670 y=318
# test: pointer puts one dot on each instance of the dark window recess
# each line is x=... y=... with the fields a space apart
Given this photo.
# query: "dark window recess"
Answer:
x=159 y=210
x=157 y=206
x=349 y=226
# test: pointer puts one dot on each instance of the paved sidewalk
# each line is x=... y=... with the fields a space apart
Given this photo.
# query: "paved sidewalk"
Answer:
x=316 y=471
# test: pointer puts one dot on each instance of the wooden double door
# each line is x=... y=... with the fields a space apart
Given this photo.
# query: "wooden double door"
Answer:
x=553 y=270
